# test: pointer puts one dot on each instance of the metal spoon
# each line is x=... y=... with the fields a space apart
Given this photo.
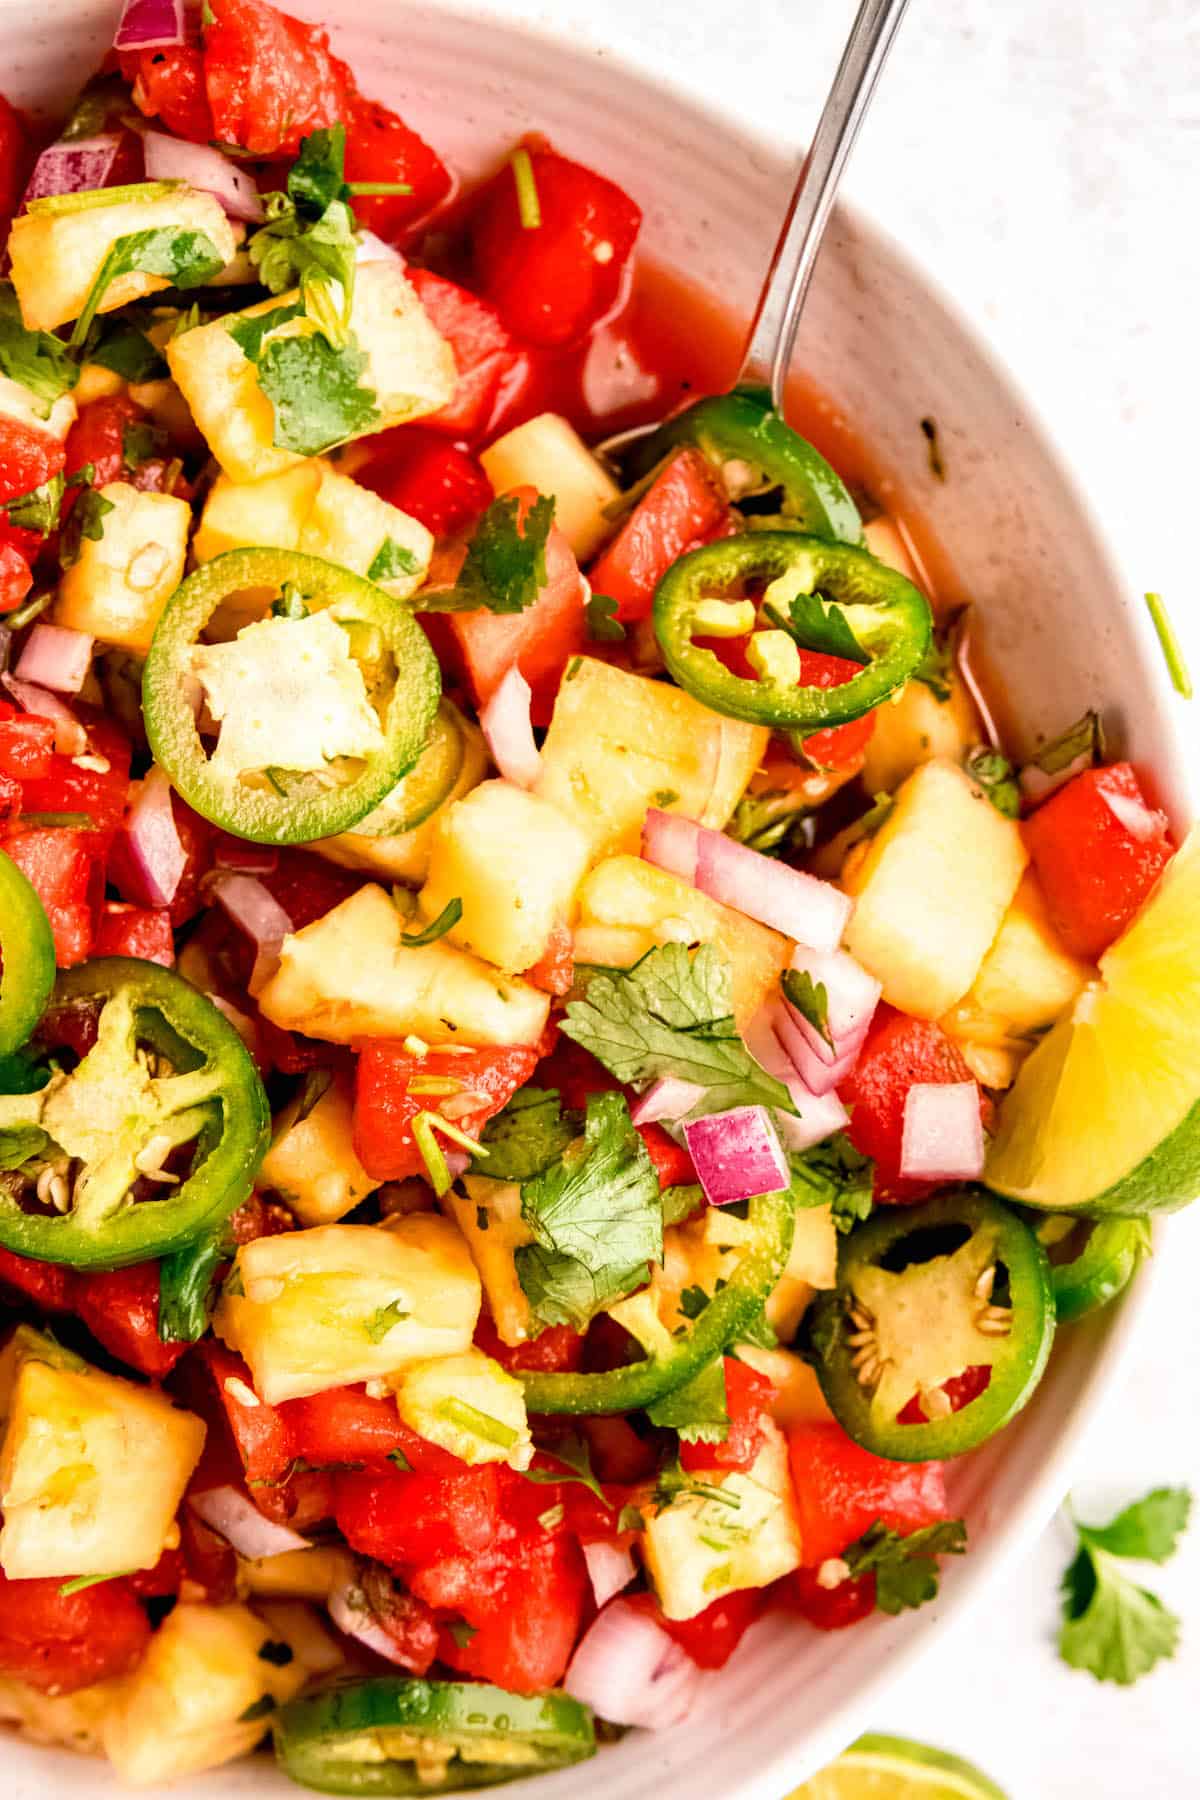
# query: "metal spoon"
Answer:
x=773 y=334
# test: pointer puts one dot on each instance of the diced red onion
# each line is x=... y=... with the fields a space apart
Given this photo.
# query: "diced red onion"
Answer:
x=737 y=1154
x=172 y=159
x=506 y=726
x=632 y=1672
x=943 y=1132
x=152 y=837
x=149 y=25
x=457 y=1161
x=818 y=1076
x=350 y=1612
x=246 y=858
x=799 y=905
x=667 y=1098
x=670 y=841
x=1139 y=820
x=239 y=1522
x=56 y=657
x=818 y=1115
x=610 y=1569
x=851 y=996
x=70 y=735
x=1036 y=785
x=255 y=910
x=73 y=167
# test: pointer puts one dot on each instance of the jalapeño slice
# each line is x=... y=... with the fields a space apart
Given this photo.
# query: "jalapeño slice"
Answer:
x=925 y=1295
x=1094 y=1262
x=353 y=713
x=151 y=1140
x=27 y=955
x=386 y=1735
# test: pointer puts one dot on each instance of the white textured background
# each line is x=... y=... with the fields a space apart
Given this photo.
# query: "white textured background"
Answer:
x=1042 y=159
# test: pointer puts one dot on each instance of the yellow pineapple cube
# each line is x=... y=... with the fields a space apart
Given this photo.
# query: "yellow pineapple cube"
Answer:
x=547 y=453
x=118 y=588
x=312 y=1164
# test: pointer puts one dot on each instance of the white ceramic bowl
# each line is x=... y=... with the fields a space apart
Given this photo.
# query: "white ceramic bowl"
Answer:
x=1062 y=633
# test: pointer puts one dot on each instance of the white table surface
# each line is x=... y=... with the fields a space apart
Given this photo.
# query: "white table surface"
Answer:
x=1042 y=159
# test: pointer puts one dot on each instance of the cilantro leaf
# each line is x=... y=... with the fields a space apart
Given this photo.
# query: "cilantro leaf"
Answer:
x=315 y=391
x=36 y=359
x=992 y=771
x=1112 y=1628
x=692 y=1302
x=185 y=258
x=526 y=1136
x=810 y=999
x=1148 y=1530
x=381 y=1321
x=905 y=1568
x=1085 y=738
x=596 y=1217
x=86 y=521
x=391 y=561
x=933 y=671
x=834 y=1174
x=318 y=175
x=437 y=928
x=118 y=344
x=671 y=1015
x=505 y=567
x=38 y=510
x=819 y=624
x=771 y=822
x=698 y=1410
x=573 y=1453
x=603 y=625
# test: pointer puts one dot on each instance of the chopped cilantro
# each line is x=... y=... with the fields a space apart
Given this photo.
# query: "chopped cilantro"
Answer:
x=692 y=1302
x=1172 y=651
x=529 y=207
x=603 y=625
x=572 y=1452
x=1080 y=742
x=834 y=1174
x=992 y=771
x=391 y=561
x=671 y=1014
x=505 y=566
x=118 y=344
x=905 y=1568
x=934 y=669
x=446 y=920
x=185 y=258
x=37 y=510
x=398 y=1458
x=461 y=1632
x=596 y=1218
x=315 y=389
x=810 y=999
x=631 y=1518
x=468 y=1418
x=526 y=1136
x=771 y=822
x=818 y=624
x=36 y=359
x=86 y=521
x=79 y=1582
x=139 y=442
x=1114 y=1629
x=380 y=1322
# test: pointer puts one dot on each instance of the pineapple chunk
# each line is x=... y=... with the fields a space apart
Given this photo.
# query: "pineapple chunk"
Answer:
x=348 y=976
x=1028 y=978
x=18 y=403
x=350 y=525
x=97 y=383
x=169 y=410
x=410 y=369
x=649 y=906
x=184 y=1708
x=56 y=257
x=344 y=1303
x=406 y=856
x=698 y=1548
x=915 y=727
x=300 y=1627
x=310 y=1574
x=92 y=1468
x=240 y=515
x=798 y=1397
x=515 y=862
x=931 y=891
x=74 y=1721
x=811 y=1264
x=620 y=743
x=469 y=1405
x=311 y=1163
x=118 y=588
x=489 y=1217
x=548 y=454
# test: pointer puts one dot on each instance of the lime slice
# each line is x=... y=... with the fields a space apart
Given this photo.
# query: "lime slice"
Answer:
x=1105 y=1115
x=893 y=1768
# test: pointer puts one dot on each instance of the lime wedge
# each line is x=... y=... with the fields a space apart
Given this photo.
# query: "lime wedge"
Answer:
x=1105 y=1115
x=893 y=1768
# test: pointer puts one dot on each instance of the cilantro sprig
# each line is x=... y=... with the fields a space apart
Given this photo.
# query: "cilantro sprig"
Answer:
x=187 y=259
x=505 y=566
x=1112 y=1628
x=834 y=1174
x=992 y=771
x=596 y=1218
x=36 y=359
x=671 y=1014
x=905 y=1568
x=526 y=1136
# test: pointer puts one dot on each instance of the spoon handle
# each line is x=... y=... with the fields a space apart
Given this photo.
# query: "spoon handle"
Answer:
x=773 y=334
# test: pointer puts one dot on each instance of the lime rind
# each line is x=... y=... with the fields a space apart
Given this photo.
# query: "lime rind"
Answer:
x=878 y=1767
